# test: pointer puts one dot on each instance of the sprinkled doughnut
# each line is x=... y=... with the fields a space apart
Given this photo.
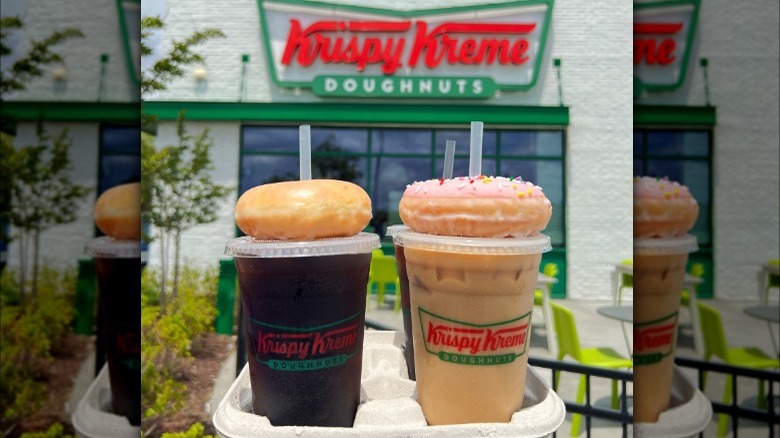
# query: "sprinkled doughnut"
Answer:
x=117 y=212
x=483 y=206
x=303 y=210
x=662 y=208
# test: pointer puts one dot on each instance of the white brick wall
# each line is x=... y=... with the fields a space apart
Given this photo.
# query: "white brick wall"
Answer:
x=99 y=21
x=593 y=39
x=740 y=40
x=743 y=72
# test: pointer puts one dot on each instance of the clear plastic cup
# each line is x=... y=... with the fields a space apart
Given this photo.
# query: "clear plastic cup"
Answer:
x=659 y=271
x=304 y=305
x=403 y=280
x=118 y=266
x=471 y=302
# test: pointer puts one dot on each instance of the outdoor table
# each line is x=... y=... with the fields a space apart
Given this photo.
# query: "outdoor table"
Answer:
x=624 y=314
x=769 y=314
x=544 y=283
x=621 y=313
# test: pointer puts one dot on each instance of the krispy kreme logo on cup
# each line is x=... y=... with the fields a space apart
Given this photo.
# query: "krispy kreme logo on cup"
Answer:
x=464 y=343
x=306 y=348
x=654 y=340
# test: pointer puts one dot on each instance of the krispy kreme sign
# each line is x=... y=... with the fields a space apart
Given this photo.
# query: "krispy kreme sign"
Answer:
x=663 y=39
x=465 y=343
x=346 y=51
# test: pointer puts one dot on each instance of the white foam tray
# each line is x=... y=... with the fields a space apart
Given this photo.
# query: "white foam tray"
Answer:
x=93 y=419
x=689 y=413
x=389 y=407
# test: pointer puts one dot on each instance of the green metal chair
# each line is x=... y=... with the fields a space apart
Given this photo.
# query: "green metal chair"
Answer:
x=626 y=280
x=550 y=270
x=748 y=357
x=697 y=270
x=569 y=344
x=384 y=271
x=772 y=280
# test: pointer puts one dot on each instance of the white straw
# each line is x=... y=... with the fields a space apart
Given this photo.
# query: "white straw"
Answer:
x=449 y=159
x=475 y=160
x=305 y=151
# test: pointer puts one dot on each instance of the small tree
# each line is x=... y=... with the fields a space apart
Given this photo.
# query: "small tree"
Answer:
x=168 y=68
x=177 y=192
x=29 y=66
x=42 y=195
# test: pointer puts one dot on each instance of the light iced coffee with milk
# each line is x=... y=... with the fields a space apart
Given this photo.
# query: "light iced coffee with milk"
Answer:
x=472 y=259
x=664 y=211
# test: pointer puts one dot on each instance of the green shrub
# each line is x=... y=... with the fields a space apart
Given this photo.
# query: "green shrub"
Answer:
x=168 y=333
x=195 y=431
x=55 y=431
x=27 y=334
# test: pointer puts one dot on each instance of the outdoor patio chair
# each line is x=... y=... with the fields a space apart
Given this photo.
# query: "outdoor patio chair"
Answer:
x=569 y=344
x=550 y=270
x=748 y=357
x=626 y=281
x=697 y=270
x=772 y=281
x=384 y=271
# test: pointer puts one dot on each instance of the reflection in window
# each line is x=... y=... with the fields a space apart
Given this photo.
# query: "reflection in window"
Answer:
x=462 y=139
x=400 y=141
x=539 y=143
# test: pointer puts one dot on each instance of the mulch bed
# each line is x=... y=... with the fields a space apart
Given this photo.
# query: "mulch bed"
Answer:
x=209 y=352
x=67 y=357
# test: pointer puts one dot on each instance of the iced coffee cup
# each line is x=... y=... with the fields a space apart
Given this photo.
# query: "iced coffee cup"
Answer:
x=304 y=303
x=471 y=302
x=403 y=280
x=118 y=265
x=663 y=211
x=472 y=260
x=303 y=295
x=659 y=270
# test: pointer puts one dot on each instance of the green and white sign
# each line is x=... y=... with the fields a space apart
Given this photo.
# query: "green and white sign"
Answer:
x=461 y=52
x=664 y=34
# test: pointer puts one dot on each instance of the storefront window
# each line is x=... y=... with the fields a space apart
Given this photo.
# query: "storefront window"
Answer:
x=385 y=160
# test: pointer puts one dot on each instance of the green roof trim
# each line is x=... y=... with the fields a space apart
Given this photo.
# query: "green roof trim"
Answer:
x=674 y=115
x=73 y=111
x=361 y=112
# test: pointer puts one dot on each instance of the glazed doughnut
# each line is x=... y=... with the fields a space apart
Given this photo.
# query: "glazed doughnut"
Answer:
x=303 y=210
x=118 y=212
x=475 y=207
x=662 y=208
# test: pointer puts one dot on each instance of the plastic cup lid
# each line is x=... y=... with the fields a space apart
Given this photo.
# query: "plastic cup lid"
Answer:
x=665 y=245
x=392 y=230
x=110 y=248
x=250 y=247
x=475 y=245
